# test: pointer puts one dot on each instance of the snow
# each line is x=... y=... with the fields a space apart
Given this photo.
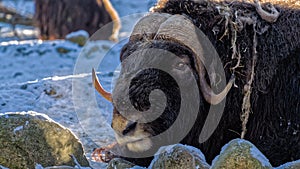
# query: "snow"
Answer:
x=18 y=129
x=23 y=32
x=39 y=166
x=170 y=148
x=54 y=77
x=259 y=156
x=2 y=167
x=253 y=150
x=287 y=165
x=36 y=77
x=196 y=151
x=78 y=33
x=23 y=7
x=137 y=167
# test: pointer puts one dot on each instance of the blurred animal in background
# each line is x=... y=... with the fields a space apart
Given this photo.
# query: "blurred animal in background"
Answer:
x=55 y=19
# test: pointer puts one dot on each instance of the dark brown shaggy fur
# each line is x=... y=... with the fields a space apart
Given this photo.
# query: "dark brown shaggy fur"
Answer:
x=274 y=125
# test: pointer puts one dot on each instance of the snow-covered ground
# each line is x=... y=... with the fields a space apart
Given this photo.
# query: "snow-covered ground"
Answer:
x=25 y=8
x=54 y=77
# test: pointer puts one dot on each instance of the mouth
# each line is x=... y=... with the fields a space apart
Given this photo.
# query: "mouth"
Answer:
x=135 y=144
x=140 y=145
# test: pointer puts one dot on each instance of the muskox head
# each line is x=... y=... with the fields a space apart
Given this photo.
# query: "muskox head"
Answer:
x=164 y=55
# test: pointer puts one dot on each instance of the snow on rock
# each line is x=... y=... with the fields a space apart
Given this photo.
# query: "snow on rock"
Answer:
x=79 y=37
x=121 y=164
x=290 y=165
x=39 y=166
x=2 y=167
x=242 y=154
x=175 y=156
x=28 y=138
x=179 y=156
x=18 y=129
x=82 y=33
x=8 y=32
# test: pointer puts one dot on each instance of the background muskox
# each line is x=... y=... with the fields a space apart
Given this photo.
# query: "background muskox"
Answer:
x=56 y=19
x=262 y=52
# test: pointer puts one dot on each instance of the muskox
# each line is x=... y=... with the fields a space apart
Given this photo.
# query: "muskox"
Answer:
x=260 y=45
x=57 y=19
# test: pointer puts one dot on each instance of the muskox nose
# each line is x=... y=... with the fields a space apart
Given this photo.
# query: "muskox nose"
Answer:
x=129 y=127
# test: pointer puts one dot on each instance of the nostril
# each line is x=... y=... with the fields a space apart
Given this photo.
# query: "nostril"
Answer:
x=130 y=126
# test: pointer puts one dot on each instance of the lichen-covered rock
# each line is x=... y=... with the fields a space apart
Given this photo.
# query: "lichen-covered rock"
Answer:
x=63 y=50
x=79 y=37
x=290 y=165
x=30 y=138
x=240 y=154
x=38 y=166
x=121 y=164
x=177 y=157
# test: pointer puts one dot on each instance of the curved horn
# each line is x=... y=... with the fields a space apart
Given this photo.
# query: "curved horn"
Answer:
x=180 y=29
x=148 y=25
x=99 y=87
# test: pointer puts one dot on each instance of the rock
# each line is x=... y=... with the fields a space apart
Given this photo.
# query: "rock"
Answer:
x=179 y=156
x=79 y=37
x=30 y=138
x=290 y=165
x=240 y=154
x=38 y=166
x=63 y=50
x=121 y=164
